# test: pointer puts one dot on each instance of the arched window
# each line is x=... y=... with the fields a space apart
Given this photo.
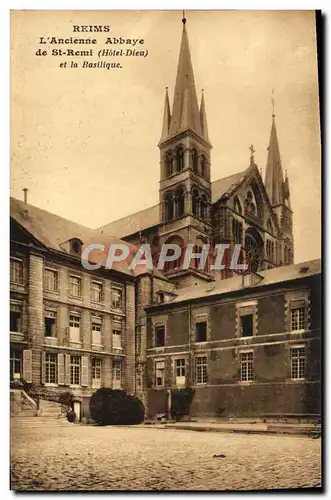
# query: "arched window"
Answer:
x=195 y=203
x=253 y=246
x=174 y=265
x=204 y=208
x=237 y=231
x=169 y=164
x=237 y=205
x=269 y=227
x=180 y=202
x=180 y=159
x=270 y=251
x=249 y=204
x=194 y=160
x=168 y=207
x=203 y=165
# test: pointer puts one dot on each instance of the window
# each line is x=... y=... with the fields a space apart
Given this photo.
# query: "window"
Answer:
x=117 y=374
x=201 y=331
x=50 y=368
x=194 y=160
x=246 y=366
x=237 y=232
x=298 y=363
x=159 y=336
x=195 y=203
x=201 y=370
x=74 y=327
x=116 y=295
x=16 y=271
x=96 y=291
x=76 y=246
x=15 y=317
x=180 y=372
x=203 y=165
x=117 y=335
x=50 y=324
x=74 y=370
x=180 y=159
x=96 y=372
x=168 y=207
x=51 y=280
x=169 y=164
x=249 y=204
x=75 y=286
x=298 y=319
x=15 y=364
x=159 y=373
x=246 y=325
x=96 y=330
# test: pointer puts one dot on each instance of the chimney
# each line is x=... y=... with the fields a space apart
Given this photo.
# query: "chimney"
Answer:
x=25 y=190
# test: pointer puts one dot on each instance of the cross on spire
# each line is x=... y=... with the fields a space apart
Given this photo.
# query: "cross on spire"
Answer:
x=184 y=18
x=252 y=150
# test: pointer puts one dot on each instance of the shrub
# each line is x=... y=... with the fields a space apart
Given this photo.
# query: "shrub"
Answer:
x=116 y=407
x=181 y=400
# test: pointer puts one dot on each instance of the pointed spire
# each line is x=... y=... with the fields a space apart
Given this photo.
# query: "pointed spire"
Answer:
x=166 y=118
x=203 y=118
x=274 y=179
x=187 y=117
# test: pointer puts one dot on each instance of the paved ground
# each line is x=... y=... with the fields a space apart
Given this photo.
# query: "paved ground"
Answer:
x=75 y=457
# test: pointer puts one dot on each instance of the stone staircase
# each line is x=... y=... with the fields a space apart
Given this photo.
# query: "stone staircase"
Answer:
x=48 y=415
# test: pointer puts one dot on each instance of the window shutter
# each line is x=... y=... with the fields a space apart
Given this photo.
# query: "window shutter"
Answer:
x=27 y=365
x=43 y=365
x=85 y=362
x=67 y=370
x=60 y=369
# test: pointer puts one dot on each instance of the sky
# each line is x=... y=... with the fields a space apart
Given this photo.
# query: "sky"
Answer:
x=84 y=141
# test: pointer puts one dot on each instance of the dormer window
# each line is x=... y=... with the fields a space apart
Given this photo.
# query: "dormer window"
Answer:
x=75 y=246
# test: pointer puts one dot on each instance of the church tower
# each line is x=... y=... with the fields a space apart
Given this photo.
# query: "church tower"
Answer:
x=185 y=188
x=278 y=191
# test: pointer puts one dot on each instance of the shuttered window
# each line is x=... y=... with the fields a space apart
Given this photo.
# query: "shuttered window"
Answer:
x=117 y=374
x=96 y=330
x=75 y=370
x=50 y=367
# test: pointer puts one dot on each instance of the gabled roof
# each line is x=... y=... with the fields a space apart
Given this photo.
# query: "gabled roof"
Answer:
x=226 y=185
x=133 y=223
x=270 y=277
x=54 y=231
x=149 y=217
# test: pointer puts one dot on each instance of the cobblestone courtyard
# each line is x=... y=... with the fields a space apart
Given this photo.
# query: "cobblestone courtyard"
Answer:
x=74 y=457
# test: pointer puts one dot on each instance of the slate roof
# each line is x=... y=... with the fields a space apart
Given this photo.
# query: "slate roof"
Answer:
x=53 y=232
x=150 y=216
x=270 y=277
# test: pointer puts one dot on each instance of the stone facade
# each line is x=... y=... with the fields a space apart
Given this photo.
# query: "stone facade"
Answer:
x=43 y=354
x=274 y=385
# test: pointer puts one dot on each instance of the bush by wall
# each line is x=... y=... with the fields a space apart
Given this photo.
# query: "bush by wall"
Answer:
x=116 y=407
x=181 y=400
